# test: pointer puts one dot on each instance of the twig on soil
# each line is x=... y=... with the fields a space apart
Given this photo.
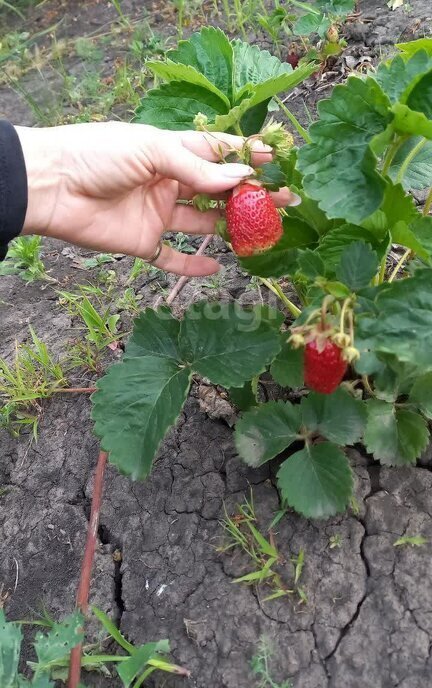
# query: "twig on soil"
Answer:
x=87 y=565
x=183 y=280
x=74 y=390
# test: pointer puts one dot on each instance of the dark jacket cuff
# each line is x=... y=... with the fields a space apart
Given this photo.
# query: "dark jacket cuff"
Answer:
x=13 y=186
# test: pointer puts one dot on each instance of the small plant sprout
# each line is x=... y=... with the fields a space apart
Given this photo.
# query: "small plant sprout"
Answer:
x=100 y=327
x=335 y=541
x=411 y=540
x=261 y=666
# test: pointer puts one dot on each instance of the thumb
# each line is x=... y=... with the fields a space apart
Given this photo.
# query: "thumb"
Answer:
x=177 y=162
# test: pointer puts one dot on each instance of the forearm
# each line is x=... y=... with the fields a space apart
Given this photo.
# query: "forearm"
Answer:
x=13 y=186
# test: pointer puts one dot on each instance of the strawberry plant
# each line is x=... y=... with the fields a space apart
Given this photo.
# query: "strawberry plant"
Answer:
x=360 y=339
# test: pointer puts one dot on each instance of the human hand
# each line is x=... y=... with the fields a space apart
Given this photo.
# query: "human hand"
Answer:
x=115 y=187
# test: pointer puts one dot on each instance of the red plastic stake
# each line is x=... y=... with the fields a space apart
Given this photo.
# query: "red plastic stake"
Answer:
x=87 y=564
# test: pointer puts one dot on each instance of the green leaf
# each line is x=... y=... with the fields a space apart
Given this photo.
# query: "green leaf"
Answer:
x=282 y=258
x=420 y=97
x=398 y=77
x=136 y=403
x=406 y=121
x=309 y=23
x=358 y=265
x=112 y=630
x=287 y=368
x=316 y=481
x=422 y=230
x=210 y=52
x=284 y=82
x=175 y=105
x=229 y=344
x=264 y=432
x=401 y=234
x=271 y=176
x=402 y=322
x=338 y=417
x=171 y=71
x=310 y=263
x=413 y=540
x=60 y=640
x=421 y=394
x=394 y=436
x=10 y=646
x=419 y=172
x=155 y=333
x=412 y=47
x=135 y=665
x=231 y=118
x=339 y=165
x=244 y=397
x=398 y=205
x=334 y=243
x=254 y=66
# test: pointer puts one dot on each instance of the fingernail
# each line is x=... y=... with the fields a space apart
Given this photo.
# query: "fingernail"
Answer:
x=295 y=199
x=235 y=170
x=260 y=147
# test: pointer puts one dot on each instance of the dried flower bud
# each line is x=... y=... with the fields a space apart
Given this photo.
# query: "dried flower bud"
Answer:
x=200 y=121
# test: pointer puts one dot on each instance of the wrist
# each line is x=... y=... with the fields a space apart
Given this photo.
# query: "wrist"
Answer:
x=43 y=165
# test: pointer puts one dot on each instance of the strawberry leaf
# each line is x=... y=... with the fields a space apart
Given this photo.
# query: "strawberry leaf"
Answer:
x=244 y=397
x=316 y=481
x=339 y=166
x=175 y=105
x=421 y=394
x=412 y=47
x=334 y=243
x=287 y=368
x=210 y=52
x=407 y=121
x=171 y=71
x=401 y=323
x=229 y=344
x=358 y=265
x=418 y=174
x=264 y=432
x=394 y=436
x=398 y=77
x=338 y=417
x=60 y=640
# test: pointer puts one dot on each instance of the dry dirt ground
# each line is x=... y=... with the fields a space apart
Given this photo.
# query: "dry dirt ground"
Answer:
x=368 y=619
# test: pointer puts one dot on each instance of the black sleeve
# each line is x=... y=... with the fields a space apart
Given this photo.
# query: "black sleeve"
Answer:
x=13 y=186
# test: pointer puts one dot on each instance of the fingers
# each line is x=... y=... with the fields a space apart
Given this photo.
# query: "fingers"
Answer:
x=185 y=264
x=188 y=219
x=177 y=162
x=282 y=198
x=213 y=146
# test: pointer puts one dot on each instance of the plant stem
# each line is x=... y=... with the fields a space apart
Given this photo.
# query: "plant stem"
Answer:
x=293 y=119
x=399 y=265
x=391 y=152
x=428 y=203
x=275 y=288
x=409 y=158
x=87 y=564
x=381 y=275
x=237 y=129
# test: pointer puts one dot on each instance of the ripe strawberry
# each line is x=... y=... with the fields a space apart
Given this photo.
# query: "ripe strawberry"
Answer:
x=323 y=364
x=253 y=223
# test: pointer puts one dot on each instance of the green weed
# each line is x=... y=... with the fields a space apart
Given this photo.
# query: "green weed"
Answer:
x=241 y=532
x=34 y=375
x=260 y=666
x=24 y=259
x=100 y=327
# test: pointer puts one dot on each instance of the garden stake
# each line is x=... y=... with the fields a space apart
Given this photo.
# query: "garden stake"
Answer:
x=87 y=565
x=183 y=280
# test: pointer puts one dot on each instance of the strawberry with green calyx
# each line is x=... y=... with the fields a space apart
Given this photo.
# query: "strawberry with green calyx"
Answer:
x=253 y=222
x=324 y=365
x=327 y=351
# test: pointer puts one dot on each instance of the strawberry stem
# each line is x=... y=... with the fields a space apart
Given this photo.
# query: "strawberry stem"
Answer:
x=276 y=289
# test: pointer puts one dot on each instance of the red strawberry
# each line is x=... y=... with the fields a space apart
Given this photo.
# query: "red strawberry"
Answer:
x=253 y=222
x=323 y=364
